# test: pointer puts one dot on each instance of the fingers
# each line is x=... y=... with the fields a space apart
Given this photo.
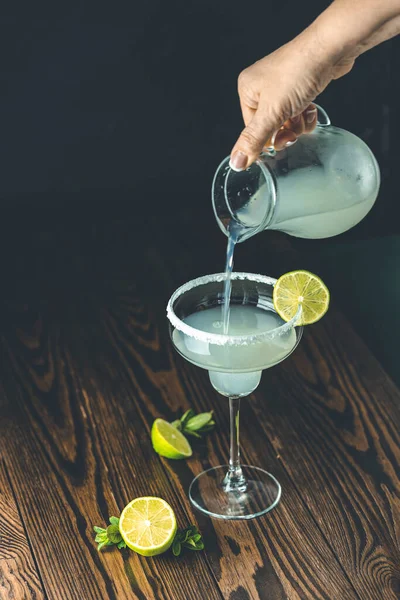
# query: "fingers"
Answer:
x=283 y=139
x=295 y=124
x=303 y=123
x=257 y=135
x=310 y=116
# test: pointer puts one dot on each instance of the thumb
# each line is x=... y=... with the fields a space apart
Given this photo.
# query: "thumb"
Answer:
x=252 y=140
x=255 y=136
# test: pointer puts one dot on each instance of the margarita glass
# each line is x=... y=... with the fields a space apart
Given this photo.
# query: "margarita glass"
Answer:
x=257 y=339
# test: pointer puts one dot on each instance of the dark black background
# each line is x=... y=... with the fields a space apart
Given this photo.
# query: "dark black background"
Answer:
x=126 y=109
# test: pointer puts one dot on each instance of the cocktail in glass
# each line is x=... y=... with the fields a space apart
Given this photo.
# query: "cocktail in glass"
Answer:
x=257 y=339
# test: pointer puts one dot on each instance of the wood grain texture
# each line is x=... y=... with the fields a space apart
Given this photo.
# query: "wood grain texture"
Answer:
x=19 y=578
x=86 y=365
x=250 y=567
x=81 y=461
x=359 y=408
x=349 y=417
x=352 y=416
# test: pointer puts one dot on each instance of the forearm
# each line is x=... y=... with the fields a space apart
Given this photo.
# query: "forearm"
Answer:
x=278 y=89
x=350 y=27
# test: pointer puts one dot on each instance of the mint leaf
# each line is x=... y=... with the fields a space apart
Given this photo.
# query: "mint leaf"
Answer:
x=186 y=416
x=209 y=427
x=197 y=422
x=109 y=536
x=184 y=536
x=176 y=548
x=114 y=534
x=101 y=545
x=99 y=529
x=195 y=425
x=189 y=538
x=192 y=433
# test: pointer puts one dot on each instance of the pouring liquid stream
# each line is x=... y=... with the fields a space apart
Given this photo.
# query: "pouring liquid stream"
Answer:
x=235 y=371
x=232 y=239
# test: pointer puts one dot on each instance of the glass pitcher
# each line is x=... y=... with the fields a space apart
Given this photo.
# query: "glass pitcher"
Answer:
x=320 y=187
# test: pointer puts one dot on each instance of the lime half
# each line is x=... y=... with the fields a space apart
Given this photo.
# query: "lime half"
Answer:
x=148 y=525
x=169 y=441
x=301 y=288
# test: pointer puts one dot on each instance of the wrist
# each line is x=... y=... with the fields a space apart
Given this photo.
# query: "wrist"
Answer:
x=320 y=49
x=343 y=28
x=331 y=41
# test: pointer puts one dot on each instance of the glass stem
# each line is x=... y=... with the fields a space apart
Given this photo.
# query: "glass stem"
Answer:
x=234 y=479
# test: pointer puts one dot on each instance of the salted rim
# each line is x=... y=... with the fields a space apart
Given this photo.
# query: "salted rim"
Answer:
x=221 y=339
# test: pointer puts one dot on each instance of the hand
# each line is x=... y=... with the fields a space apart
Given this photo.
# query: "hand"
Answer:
x=276 y=95
x=276 y=92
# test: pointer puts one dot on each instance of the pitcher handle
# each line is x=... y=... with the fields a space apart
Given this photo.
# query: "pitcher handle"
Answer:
x=322 y=117
x=323 y=120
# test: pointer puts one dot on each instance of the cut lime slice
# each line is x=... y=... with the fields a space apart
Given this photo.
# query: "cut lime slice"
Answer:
x=301 y=288
x=169 y=441
x=148 y=525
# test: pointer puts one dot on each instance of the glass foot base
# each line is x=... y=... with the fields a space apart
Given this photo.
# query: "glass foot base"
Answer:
x=262 y=492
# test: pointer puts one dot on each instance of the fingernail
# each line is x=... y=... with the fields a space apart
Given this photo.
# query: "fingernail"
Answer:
x=311 y=115
x=284 y=139
x=238 y=161
x=273 y=137
x=296 y=124
x=290 y=143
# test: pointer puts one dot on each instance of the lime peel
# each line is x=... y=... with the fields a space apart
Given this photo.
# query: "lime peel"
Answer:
x=148 y=525
x=168 y=441
x=301 y=288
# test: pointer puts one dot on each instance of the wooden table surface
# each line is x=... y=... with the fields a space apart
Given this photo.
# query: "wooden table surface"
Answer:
x=86 y=366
